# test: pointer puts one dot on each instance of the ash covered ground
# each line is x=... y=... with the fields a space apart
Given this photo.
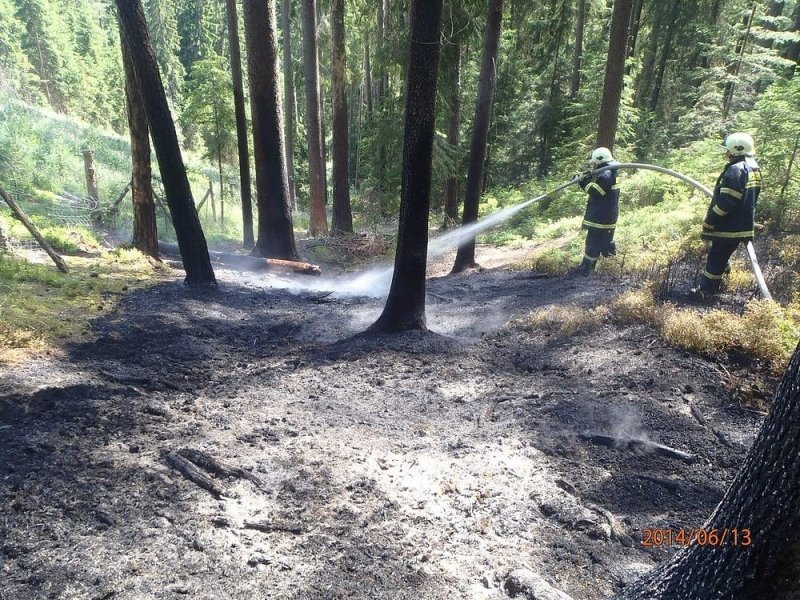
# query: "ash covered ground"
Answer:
x=424 y=465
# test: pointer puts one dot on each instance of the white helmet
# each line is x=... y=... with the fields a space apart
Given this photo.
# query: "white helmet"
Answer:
x=740 y=144
x=600 y=155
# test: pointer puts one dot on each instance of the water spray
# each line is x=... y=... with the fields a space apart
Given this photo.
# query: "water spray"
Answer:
x=749 y=248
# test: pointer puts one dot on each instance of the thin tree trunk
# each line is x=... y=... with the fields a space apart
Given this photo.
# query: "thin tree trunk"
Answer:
x=288 y=96
x=405 y=305
x=731 y=85
x=451 y=196
x=646 y=78
x=275 y=230
x=145 y=224
x=665 y=54
x=465 y=257
x=615 y=69
x=248 y=237
x=577 y=56
x=192 y=242
x=633 y=30
x=368 y=78
x=786 y=180
x=756 y=554
x=342 y=215
x=316 y=164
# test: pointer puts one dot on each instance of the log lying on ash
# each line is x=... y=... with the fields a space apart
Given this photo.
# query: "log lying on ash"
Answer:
x=249 y=263
x=613 y=441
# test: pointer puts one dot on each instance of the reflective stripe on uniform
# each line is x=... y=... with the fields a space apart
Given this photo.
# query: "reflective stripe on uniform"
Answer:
x=594 y=185
x=615 y=186
x=711 y=275
x=719 y=211
x=599 y=225
x=731 y=192
x=591 y=258
x=707 y=225
x=753 y=180
x=730 y=234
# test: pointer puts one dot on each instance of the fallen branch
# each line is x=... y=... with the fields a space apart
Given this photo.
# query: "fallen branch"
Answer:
x=189 y=470
x=272 y=526
x=670 y=484
x=218 y=468
x=60 y=264
x=115 y=207
x=250 y=263
x=612 y=441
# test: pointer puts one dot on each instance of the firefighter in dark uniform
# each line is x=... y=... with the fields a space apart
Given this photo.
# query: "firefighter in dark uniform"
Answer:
x=602 y=210
x=731 y=214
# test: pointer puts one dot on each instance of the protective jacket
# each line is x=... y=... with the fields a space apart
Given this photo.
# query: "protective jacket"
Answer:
x=731 y=213
x=602 y=210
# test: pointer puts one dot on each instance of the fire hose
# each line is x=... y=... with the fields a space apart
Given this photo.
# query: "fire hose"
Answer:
x=750 y=250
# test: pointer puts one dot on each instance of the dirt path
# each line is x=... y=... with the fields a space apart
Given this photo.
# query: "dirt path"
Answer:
x=418 y=466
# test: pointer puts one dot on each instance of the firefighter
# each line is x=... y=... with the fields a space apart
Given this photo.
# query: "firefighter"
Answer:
x=731 y=214
x=602 y=210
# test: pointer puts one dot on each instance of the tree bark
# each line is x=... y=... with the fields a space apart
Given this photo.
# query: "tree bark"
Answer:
x=646 y=78
x=192 y=242
x=342 y=214
x=316 y=164
x=665 y=54
x=451 y=196
x=248 y=237
x=368 y=78
x=288 y=97
x=740 y=50
x=405 y=305
x=764 y=500
x=633 y=29
x=145 y=224
x=275 y=230
x=577 y=56
x=615 y=69
x=465 y=257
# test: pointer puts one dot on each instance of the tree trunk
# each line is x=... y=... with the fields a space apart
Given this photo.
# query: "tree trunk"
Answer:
x=91 y=182
x=577 y=56
x=731 y=85
x=451 y=197
x=192 y=242
x=615 y=69
x=368 y=78
x=241 y=125
x=762 y=504
x=633 y=30
x=465 y=258
x=342 y=214
x=288 y=97
x=665 y=54
x=145 y=224
x=275 y=230
x=316 y=164
x=646 y=78
x=792 y=51
x=405 y=305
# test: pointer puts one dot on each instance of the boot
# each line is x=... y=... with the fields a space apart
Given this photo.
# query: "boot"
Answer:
x=586 y=267
x=611 y=249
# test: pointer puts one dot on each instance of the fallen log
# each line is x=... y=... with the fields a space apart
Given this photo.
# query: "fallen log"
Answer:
x=60 y=264
x=613 y=441
x=218 y=468
x=250 y=263
x=189 y=470
x=273 y=526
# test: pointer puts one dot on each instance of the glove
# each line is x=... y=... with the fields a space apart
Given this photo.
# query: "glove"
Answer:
x=585 y=179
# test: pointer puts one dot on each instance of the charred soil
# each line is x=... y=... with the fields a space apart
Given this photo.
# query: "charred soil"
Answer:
x=424 y=465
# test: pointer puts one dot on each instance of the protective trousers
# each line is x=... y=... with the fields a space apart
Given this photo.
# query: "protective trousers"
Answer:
x=599 y=242
x=717 y=263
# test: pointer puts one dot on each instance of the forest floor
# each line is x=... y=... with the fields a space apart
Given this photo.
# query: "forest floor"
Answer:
x=420 y=466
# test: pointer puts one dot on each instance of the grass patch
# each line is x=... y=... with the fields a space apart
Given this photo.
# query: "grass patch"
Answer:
x=765 y=330
x=40 y=307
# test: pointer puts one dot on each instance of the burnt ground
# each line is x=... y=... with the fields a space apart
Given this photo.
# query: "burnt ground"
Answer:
x=413 y=466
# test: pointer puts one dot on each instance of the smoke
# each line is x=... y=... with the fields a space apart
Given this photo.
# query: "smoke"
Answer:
x=625 y=423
